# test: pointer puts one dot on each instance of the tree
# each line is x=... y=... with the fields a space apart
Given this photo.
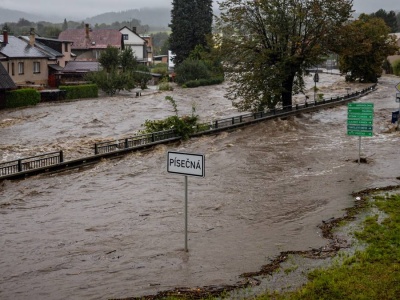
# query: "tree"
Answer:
x=112 y=79
x=268 y=44
x=141 y=76
x=65 y=25
x=389 y=18
x=159 y=39
x=191 y=22
x=109 y=59
x=127 y=60
x=363 y=46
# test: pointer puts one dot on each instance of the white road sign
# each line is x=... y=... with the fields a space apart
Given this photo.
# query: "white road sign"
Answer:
x=186 y=164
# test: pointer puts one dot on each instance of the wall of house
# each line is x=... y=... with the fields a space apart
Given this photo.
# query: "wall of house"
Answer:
x=135 y=42
x=66 y=51
x=28 y=76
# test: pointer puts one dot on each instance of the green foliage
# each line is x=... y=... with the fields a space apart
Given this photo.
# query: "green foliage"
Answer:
x=389 y=18
x=159 y=40
x=268 y=44
x=141 y=76
x=164 y=85
x=113 y=82
x=396 y=67
x=363 y=47
x=184 y=125
x=22 y=97
x=203 y=82
x=160 y=68
x=127 y=60
x=191 y=22
x=110 y=59
x=80 y=91
x=191 y=70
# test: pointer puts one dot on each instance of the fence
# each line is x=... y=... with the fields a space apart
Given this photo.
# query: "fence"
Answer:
x=135 y=141
x=29 y=163
x=143 y=140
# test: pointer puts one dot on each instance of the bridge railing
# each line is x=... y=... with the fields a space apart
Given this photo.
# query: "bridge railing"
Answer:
x=34 y=162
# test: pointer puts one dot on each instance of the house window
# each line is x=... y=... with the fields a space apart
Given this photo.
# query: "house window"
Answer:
x=12 y=69
x=65 y=47
x=20 y=68
x=36 y=67
x=125 y=37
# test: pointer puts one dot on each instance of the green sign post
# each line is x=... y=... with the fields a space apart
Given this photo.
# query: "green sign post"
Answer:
x=360 y=120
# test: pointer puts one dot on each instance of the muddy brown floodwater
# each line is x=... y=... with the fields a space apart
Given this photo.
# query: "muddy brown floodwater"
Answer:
x=116 y=229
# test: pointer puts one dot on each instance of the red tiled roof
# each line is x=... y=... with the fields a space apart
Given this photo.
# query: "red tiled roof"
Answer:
x=98 y=39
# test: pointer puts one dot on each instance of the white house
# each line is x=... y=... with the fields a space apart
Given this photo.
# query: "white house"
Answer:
x=136 y=43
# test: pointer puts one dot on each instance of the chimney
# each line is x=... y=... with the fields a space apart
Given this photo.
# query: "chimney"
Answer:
x=87 y=30
x=32 y=37
x=5 y=37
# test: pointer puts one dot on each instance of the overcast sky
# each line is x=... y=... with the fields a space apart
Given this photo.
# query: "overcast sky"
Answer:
x=80 y=9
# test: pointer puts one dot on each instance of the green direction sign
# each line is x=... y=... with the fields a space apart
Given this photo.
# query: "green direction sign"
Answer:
x=359 y=105
x=359 y=122
x=367 y=111
x=359 y=127
x=360 y=118
x=398 y=87
x=359 y=133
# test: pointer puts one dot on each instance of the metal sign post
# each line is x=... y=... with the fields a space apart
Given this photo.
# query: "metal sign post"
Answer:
x=186 y=164
x=398 y=101
x=360 y=119
x=186 y=213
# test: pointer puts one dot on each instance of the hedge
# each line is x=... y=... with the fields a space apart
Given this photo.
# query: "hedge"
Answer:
x=203 y=82
x=22 y=97
x=80 y=91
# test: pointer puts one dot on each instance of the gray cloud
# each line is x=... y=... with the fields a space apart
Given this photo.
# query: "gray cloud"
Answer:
x=79 y=9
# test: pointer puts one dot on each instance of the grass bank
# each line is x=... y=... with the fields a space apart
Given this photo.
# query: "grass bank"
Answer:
x=371 y=273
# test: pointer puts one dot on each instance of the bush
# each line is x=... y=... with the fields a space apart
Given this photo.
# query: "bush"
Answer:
x=190 y=70
x=396 y=67
x=22 y=97
x=164 y=85
x=184 y=125
x=80 y=91
x=142 y=76
x=160 y=69
x=203 y=82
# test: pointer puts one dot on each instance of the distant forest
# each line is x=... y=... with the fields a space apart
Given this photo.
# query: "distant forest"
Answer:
x=157 y=18
x=146 y=20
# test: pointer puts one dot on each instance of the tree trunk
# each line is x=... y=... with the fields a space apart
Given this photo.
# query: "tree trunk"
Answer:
x=287 y=86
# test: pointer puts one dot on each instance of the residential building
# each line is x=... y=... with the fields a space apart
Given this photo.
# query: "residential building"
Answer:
x=6 y=83
x=87 y=44
x=26 y=64
x=141 y=46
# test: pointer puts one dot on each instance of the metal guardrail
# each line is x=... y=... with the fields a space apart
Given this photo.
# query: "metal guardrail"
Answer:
x=107 y=148
x=29 y=163
x=135 y=141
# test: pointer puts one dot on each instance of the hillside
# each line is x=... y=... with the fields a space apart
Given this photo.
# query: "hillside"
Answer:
x=154 y=17
x=9 y=15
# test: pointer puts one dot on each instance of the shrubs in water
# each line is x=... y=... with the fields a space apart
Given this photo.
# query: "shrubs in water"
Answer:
x=80 y=91
x=22 y=97
x=184 y=125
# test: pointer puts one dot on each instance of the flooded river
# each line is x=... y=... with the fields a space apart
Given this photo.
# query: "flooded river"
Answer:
x=116 y=229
